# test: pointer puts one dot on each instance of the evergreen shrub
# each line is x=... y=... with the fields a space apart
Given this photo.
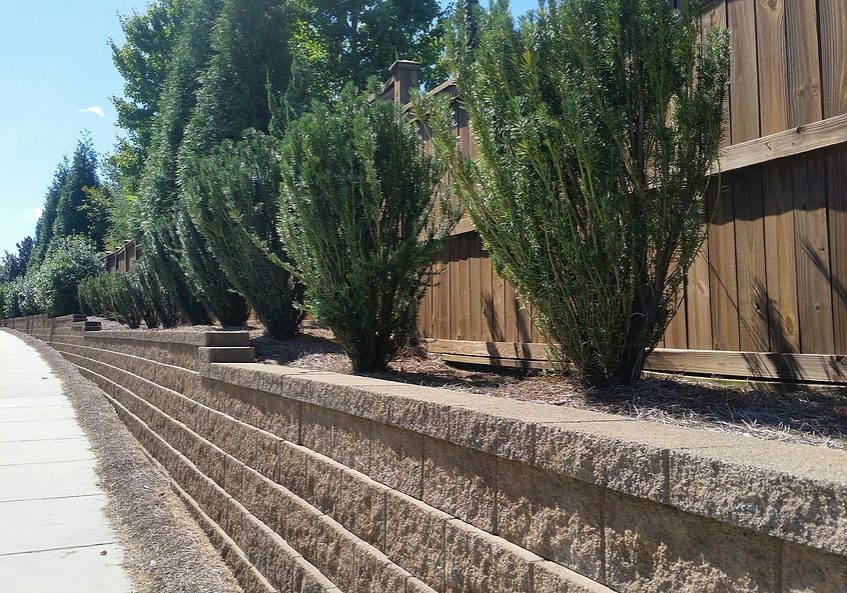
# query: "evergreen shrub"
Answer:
x=597 y=123
x=359 y=195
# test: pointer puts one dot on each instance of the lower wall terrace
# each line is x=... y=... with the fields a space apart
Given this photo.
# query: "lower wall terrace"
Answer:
x=312 y=481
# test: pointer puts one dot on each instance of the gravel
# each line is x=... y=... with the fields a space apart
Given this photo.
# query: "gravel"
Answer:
x=165 y=551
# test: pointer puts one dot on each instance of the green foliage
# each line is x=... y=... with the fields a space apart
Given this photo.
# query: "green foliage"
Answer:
x=358 y=199
x=15 y=265
x=250 y=58
x=118 y=296
x=143 y=61
x=341 y=41
x=18 y=297
x=233 y=197
x=68 y=261
x=164 y=308
x=160 y=206
x=597 y=122
x=74 y=213
x=202 y=269
x=44 y=226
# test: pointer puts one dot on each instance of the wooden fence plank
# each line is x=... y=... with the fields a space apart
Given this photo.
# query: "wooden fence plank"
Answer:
x=793 y=142
x=744 y=83
x=836 y=178
x=812 y=253
x=722 y=267
x=773 y=81
x=750 y=259
x=781 y=291
x=477 y=304
x=832 y=15
x=804 y=72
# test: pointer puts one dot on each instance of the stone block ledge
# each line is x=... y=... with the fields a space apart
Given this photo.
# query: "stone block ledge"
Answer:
x=789 y=491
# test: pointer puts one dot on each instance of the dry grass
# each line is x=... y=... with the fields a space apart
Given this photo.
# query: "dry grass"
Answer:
x=165 y=551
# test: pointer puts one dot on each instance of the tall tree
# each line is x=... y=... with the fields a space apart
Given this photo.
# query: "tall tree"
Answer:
x=159 y=193
x=14 y=265
x=251 y=64
x=73 y=215
x=143 y=61
x=352 y=40
x=44 y=226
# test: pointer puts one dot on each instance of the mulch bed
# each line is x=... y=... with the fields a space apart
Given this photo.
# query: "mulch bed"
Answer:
x=814 y=415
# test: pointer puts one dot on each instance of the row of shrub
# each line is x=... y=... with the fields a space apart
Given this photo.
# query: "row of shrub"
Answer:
x=596 y=124
x=51 y=286
x=131 y=298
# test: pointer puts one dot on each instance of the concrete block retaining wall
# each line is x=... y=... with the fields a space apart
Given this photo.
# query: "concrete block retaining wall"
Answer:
x=314 y=481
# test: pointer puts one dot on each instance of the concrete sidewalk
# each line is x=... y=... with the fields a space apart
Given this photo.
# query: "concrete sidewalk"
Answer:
x=54 y=537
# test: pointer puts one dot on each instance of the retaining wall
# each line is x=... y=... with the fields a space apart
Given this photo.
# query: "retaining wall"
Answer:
x=313 y=481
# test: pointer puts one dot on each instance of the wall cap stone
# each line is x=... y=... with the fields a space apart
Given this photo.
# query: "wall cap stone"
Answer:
x=792 y=491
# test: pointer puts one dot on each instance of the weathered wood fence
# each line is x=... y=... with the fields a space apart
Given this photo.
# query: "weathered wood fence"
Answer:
x=768 y=296
x=124 y=258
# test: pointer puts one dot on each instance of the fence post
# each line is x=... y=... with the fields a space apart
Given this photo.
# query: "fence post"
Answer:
x=404 y=75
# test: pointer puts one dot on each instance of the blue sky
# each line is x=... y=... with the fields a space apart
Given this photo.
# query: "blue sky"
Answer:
x=58 y=76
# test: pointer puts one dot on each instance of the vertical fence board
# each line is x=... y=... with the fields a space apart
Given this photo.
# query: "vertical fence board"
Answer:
x=832 y=15
x=836 y=165
x=804 y=72
x=773 y=69
x=744 y=83
x=475 y=287
x=750 y=257
x=722 y=268
x=812 y=249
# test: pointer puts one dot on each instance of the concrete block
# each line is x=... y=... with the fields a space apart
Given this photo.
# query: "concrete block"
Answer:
x=548 y=577
x=414 y=538
x=652 y=548
x=807 y=570
x=396 y=458
x=361 y=508
x=377 y=574
x=462 y=482
x=556 y=517
x=480 y=562
x=796 y=492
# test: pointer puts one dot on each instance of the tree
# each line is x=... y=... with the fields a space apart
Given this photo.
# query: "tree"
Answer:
x=597 y=123
x=159 y=192
x=142 y=61
x=74 y=212
x=233 y=196
x=44 y=226
x=250 y=63
x=68 y=261
x=15 y=265
x=352 y=40
x=358 y=199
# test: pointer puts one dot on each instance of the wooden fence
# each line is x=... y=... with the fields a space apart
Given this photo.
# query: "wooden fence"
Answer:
x=767 y=298
x=124 y=258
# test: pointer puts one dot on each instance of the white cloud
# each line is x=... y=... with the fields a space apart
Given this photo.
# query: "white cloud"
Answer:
x=31 y=215
x=95 y=109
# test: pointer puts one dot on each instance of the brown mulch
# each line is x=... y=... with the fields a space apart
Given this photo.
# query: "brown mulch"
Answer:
x=800 y=414
x=165 y=550
x=814 y=415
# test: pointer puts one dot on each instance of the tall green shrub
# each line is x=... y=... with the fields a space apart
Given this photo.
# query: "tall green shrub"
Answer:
x=233 y=194
x=597 y=123
x=68 y=261
x=166 y=309
x=358 y=199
